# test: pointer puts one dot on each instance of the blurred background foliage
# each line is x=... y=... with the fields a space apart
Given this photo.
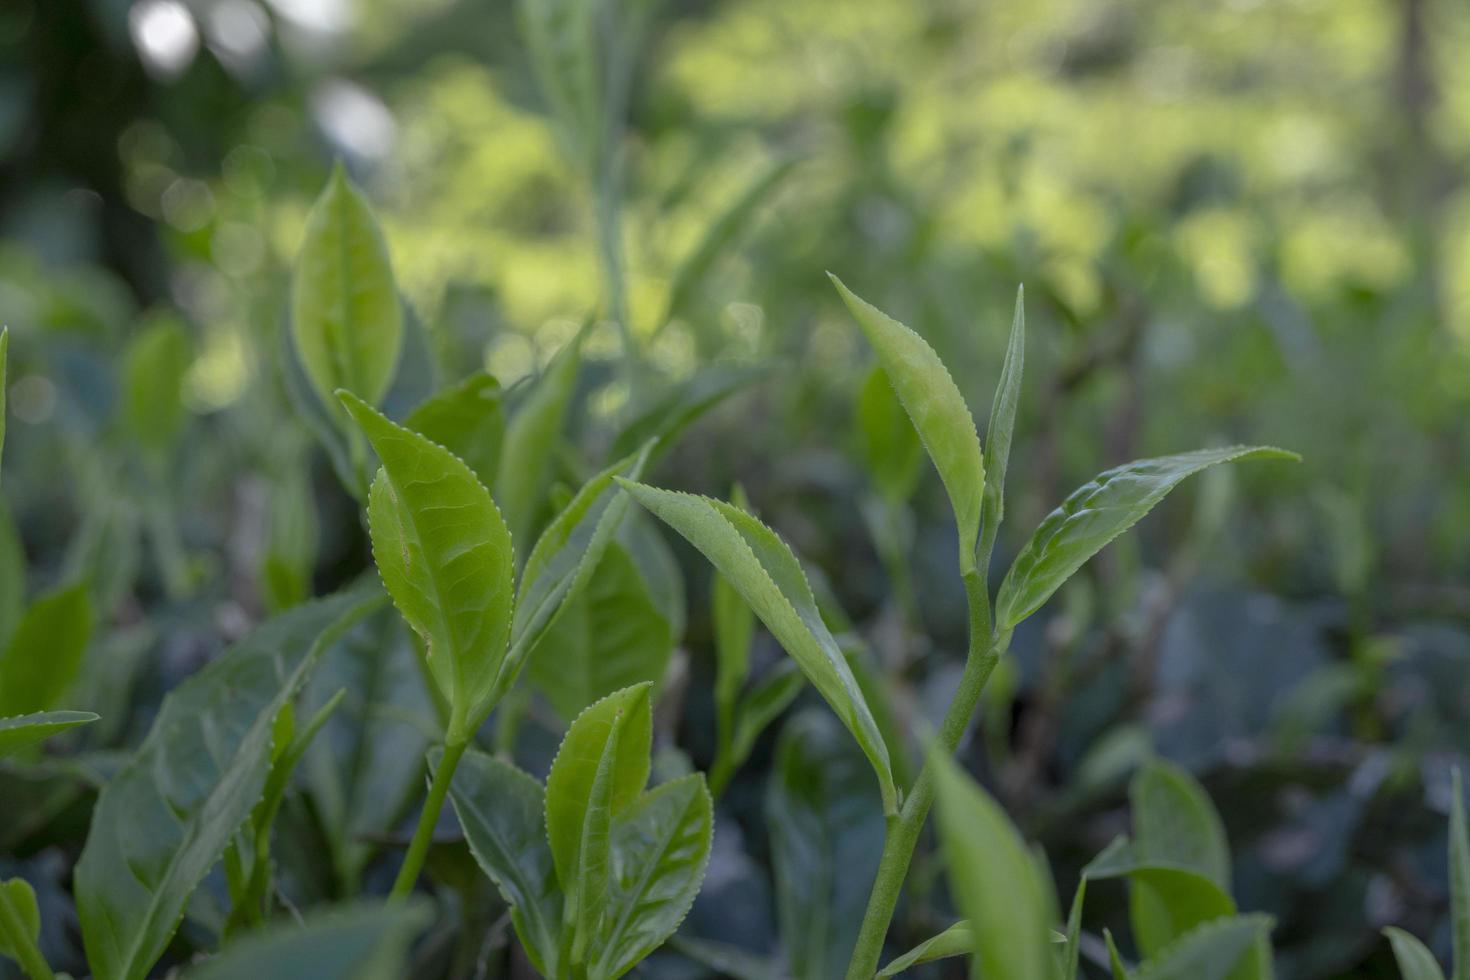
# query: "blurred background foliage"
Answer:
x=1236 y=220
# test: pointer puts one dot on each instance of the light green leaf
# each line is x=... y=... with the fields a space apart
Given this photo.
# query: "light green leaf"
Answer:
x=468 y=420
x=1115 y=959
x=45 y=653
x=994 y=879
x=613 y=737
x=938 y=410
x=890 y=447
x=565 y=558
x=660 y=849
x=1415 y=960
x=611 y=634
x=957 y=940
x=531 y=441
x=1094 y=515
x=1166 y=901
x=767 y=575
x=826 y=835
x=153 y=379
x=346 y=319
x=1001 y=428
x=1074 y=932
x=164 y=820
x=22 y=731
x=1459 y=879
x=20 y=921
x=1213 y=951
x=363 y=942
x=734 y=629
x=445 y=557
x=1174 y=822
x=502 y=811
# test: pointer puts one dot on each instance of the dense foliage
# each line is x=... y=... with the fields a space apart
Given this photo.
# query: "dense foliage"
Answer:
x=455 y=525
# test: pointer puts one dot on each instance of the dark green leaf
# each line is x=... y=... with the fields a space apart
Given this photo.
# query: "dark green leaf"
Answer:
x=890 y=447
x=467 y=420
x=366 y=942
x=45 y=653
x=1213 y=951
x=683 y=406
x=531 y=441
x=25 y=730
x=1001 y=428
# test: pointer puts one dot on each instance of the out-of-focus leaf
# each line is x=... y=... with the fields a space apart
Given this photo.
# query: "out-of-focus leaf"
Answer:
x=683 y=406
x=995 y=881
x=1000 y=429
x=20 y=921
x=1213 y=951
x=1415 y=960
x=826 y=831
x=45 y=653
x=445 y=557
x=760 y=706
x=660 y=848
x=12 y=575
x=610 y=635
x=890 y=447
x=468 y=420
x=4 y=378
x=1095 y=514
x=24 y=730
x=1115 y=959
x=957 y=940
x=1459 y=879
x=1166 y=901
x=531 y=440
x=938 y=410
x=164 y=820
x=345 y=314
x=1074 y=933
x=366 y=942
x=502 y=811
x=561 y=36
x=1174 y=822
x=153 y=379
x=767 y=575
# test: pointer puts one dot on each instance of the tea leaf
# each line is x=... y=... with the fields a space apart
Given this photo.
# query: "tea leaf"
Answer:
x=598 y=773
x=1174 y=822
x=163 y=821
x=1115 y=959
x=1459 y=879
x=1166 y=901
x=366 y=942
x=1094 y=515
x=957 y=940
x=1415 y=961
x=502 y=811
x=762 y=705
x=993 y=877
x=734 y=628
x=1214 y=951
x=561 y=36
x=468 y=420
x=610 y=635
x=20 y=922
x=826 y=835
x=890 y=447
x=45 y=653
x=531 y=440
x=1074 y=932
x=683 y=406
x=445 y=557
x=22 y=731
x=938 y=410
x=768 y=576
x=660 y=849
x=1002 y=427
x=346 y=319
x=153 y=378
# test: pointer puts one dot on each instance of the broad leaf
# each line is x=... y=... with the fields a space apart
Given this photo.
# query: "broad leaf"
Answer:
x=957 y=940
x=1459 y=879
x=364 y=942
x=1166 y=901
x=20 y=921
x=890 y=447
x=660 y=849
x=153 y=379
x=1415 y=960
x=468 y=420
x=1174 y=822
x=1214 y=951
x=532 y=438
x=46 y=651
x=767 y=575
x=826 y=832
x=1094 y=515
x=994 y=879
x=938 y=411
x=1001 y=428
x=502 y=811
x=346 y=319
x=611 y=635
x=164 y=820
x=445 y=557
x=22 y=731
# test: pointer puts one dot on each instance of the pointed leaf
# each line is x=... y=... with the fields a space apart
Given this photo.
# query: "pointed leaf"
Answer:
x=1165 y=901
x=734 y=629
x=1115 y=959
x=938 y=411
x=660 y=849
x=363 y=942
x=767 y=575
x=1459 y=879
x=163 y=821
x=45 y=653
x=1213 y=951
x=763 y=704
x=993 y=877
x=1175 y=823
x=24 y=730
x=1094 y=515
x=468 y=420
x=1002 y=427
x=502 y=811
x=445 y=558
x=20 y=920
x=890 y=447
x=345 y=316
x=957 y=940
x=1415 y=960
x=1074 y=932
x=532 y=438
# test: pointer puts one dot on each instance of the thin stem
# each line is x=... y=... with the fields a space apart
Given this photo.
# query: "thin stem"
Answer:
x=903 y=830
x=413 y=861
x=22 y=945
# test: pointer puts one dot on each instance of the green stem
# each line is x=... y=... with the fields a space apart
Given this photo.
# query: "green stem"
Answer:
x=22 y=945
x=903 y=829
x=413 y=861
